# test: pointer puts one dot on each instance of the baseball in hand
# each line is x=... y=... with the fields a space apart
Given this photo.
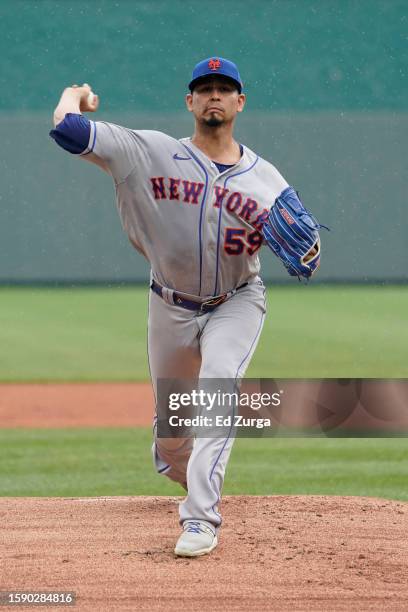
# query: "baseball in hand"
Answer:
x=91 y=94
x=91 y=102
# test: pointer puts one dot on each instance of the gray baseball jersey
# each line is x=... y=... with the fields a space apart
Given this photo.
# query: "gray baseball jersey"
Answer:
x=199 y=228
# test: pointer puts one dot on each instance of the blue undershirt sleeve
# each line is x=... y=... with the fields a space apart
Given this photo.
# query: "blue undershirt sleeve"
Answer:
x=73 y=133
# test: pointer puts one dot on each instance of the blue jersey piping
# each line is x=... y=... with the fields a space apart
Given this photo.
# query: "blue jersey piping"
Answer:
x=195 y=158
x=93 y=141
x=219 y=223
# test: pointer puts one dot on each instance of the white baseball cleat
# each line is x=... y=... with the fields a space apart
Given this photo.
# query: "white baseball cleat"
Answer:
x=197 y=539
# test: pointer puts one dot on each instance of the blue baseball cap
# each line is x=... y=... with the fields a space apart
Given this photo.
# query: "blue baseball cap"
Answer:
x=213 y=66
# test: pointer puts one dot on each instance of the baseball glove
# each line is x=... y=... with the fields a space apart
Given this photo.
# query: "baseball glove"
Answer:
x=292 y=234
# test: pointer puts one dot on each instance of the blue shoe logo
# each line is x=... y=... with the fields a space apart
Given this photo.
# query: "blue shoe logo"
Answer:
x=180 y=157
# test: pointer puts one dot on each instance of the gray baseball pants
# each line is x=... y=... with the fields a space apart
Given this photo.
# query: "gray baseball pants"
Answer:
x=185 y=345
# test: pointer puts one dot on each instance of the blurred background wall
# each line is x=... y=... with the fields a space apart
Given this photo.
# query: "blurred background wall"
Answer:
x=327 y=91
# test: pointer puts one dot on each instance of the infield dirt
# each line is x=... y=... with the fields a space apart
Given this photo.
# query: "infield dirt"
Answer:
x=76 y=405
x=275 y=553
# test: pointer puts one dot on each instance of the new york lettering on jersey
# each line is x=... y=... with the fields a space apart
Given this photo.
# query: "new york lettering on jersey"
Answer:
x=240 y=206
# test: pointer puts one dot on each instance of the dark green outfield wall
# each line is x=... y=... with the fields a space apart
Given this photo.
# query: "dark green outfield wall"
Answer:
x=327 y=104
x=293 y=54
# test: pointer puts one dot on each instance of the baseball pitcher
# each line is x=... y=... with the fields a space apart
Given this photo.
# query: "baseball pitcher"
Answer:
x=199 y=210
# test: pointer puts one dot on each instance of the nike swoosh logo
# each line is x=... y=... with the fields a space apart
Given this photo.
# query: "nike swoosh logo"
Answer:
x=180 y=157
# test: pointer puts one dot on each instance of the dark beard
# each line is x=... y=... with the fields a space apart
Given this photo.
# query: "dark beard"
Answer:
x=213 y=121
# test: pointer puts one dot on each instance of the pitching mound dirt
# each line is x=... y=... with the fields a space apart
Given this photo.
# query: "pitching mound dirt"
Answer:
x=275 y=553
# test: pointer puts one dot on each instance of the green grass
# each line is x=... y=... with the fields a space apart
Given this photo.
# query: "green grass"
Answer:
x=73 y=334
x=100 y=334
x=93 y=462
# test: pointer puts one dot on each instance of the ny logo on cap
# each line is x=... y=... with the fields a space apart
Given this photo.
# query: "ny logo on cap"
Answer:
x=214 y=64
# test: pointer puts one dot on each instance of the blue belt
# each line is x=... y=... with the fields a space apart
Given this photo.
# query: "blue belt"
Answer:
x=207 y=306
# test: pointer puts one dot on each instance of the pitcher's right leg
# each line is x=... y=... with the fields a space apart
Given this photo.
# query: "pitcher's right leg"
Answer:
x=173 y=352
